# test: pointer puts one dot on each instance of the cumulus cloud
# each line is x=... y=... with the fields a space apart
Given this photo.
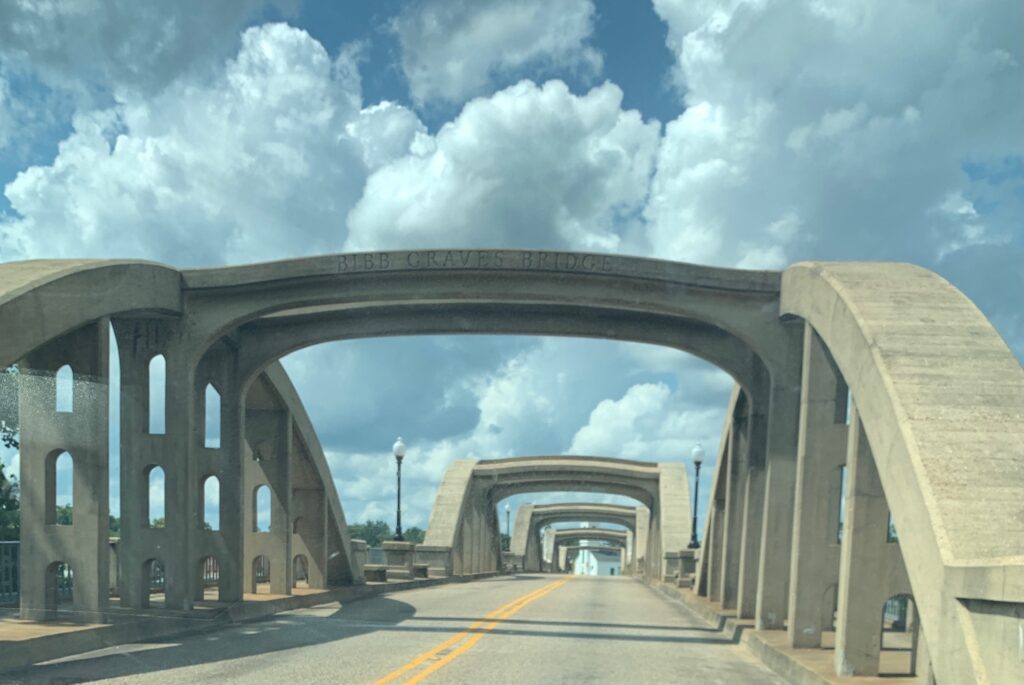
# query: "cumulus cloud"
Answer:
x=815 y=131
x=105 y=45
x=530 y=166
x=255 y=162
x=455 y=49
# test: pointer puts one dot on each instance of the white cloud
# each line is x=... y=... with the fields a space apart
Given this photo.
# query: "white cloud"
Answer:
x=454 y=49
x=255 y=162
x=850 y=125
x=529 y=166
x=107 y=45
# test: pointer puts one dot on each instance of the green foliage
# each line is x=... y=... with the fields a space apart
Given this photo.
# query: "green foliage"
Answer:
x=374 y=532
x=8 y=409
x=10 y=508
x=64 y=515
x=158 y=523
x=414 y=534
x=506 y=542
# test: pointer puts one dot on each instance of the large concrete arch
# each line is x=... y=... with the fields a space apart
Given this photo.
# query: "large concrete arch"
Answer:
x=531 y=518
x=566 y=555
x=464 y=519
x=58 y=312
x=940 y=399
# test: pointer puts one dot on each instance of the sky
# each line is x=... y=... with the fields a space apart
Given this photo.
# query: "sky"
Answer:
x=737 y=133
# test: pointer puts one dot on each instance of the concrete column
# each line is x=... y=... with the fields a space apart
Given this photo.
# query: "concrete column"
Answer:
x=733 y=526
x=643 y=534
x=821 y=451
x=863 y=566
x=45 y=435
x=750 y=540
x=268 y=435
x=713 y=550
x=780 y=481
x=219 y=368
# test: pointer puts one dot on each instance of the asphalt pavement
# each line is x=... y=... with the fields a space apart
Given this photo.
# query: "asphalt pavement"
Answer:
x=511 y=629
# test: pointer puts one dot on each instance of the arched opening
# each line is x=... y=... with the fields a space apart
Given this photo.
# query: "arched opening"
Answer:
x=211 y=503
x=300 y=571
x=65 y=389
x=157 y=395
x=900 y=632
x=261 y=519
x=261 y=574
x=60 y=584
x=155 y=494
x=209 y=579
x=60 y=489
x=211 y=433
x=295 y=524
x=155 y=581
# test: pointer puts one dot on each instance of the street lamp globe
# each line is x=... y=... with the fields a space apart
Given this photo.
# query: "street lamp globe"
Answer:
x=697 y=454
x=508 y=508
x=398 y=448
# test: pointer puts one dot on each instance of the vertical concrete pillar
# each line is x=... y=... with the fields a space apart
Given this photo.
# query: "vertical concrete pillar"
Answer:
x=45 y=435
x=713 y=550
x=750 y=539
x=733 y=530
x=821 y=451
x=309 y=515
x=219 y=368
x=863 y=565
x=780 y=481
x=268 y=434
x=643 y=534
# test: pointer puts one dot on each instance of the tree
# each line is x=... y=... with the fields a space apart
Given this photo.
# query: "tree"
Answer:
x=506 y=542
x=9 y=408
x=64 y=515
x=414 y=534
x=10 y=508
x=374 y=532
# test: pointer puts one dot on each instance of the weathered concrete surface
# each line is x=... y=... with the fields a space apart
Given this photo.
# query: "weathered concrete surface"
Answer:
x=941 y=398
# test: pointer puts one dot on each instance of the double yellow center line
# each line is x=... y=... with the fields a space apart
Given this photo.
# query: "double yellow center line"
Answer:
x=451 y=649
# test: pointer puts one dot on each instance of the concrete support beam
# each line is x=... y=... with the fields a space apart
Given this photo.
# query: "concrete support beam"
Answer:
x=750 y=539
x=45 y=435
x=268 y=458
x=780 y=481
x=821 y=452
x=871 y=570
x=733 y=526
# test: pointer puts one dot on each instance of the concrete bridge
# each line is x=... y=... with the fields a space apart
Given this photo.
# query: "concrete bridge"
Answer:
x=882 y=372
x=526 y=543
x=567 y=553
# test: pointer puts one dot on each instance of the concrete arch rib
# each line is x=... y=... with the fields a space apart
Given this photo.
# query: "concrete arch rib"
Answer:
x=41 y=300
x=272 y=337
x=742 y=303
x=941 y=397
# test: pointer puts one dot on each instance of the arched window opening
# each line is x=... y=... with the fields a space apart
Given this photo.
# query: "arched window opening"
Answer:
x=842 y=504
x=890 y=531
x=211 y=503
x=156 y=494
x=212 y=433
x=157 y=395
x=849 y=406
x=60 y=584
x=155 y=580
x=300 y=571
x=209 y=579
x=261 y=510
x=900 y=632
x=261 y=574
x=65 y=390
x=63 y=479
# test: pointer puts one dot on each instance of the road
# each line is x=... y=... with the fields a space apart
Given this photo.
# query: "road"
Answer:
x=521 y=629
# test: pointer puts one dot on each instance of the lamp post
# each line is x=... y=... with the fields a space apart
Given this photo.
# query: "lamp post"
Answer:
x=698 y=456
x=399 y=450
x=508 y=524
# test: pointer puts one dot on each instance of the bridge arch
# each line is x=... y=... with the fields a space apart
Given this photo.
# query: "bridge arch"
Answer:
x=464 y=519
x=526 y=544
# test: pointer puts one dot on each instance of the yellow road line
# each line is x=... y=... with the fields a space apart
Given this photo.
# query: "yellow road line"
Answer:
x=468 y=644
x=455 y=638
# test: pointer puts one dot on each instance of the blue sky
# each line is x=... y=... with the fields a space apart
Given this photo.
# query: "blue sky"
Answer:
x=741 y=133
